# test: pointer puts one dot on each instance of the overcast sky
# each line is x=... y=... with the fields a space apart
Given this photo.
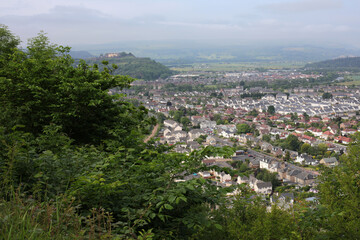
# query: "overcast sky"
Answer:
x=76 y=22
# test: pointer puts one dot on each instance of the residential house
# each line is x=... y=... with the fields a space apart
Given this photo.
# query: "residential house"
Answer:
x=341 y=139
x=327 y=135
x=208 y=124
x=284 y=200
x=195 y=133
x=306 y=159
x=329 y=162
x=170 y=123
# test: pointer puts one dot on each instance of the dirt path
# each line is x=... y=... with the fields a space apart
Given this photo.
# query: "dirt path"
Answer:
x=154 y=131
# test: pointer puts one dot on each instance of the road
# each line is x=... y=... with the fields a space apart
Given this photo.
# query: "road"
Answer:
x=154 y=131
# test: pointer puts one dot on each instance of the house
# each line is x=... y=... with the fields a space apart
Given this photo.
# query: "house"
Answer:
x=195 y=133
x=345 y=125
x=263 y=187
x=224 y=177
x=333 y=129
x=305 y=178
x=205 y=175
x=208 y=124
x=327 y=135
x=265 y=163
x=179 y=134
x=348 y=131
x=268 y=97
x=289 y=128
x=306 y=159
x=329 y=162
x=242 y=179
x=317 y=132
x=266 y=146
x=281 y=96
x=170 y=123
x=193 y=145
x=257 y=185
x=284 y=200
x=293 y=154
x=341 y=139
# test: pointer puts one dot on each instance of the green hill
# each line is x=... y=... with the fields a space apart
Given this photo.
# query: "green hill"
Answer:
x=140 y=68
x=348 y=64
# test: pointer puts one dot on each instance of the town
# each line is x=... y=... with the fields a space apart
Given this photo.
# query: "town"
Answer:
x=286 y=136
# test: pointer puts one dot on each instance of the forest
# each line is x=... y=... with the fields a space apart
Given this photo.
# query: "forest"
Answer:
x=73 y=165
x=140 y=68
x=338 y=64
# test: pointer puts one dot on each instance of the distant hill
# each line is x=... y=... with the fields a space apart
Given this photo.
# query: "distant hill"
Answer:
x=140 y=68
x=80 y=54
x=345 y=64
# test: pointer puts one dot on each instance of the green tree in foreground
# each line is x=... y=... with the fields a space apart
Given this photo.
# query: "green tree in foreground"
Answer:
x=39 y=87
x=62 y=134
x=340 y=195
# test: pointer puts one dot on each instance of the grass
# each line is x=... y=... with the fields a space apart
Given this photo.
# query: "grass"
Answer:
x=26 y=218
x=353 y=80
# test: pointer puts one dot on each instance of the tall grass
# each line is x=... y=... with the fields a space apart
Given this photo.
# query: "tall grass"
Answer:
x=26 y=218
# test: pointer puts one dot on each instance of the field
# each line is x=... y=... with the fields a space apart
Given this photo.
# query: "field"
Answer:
x=353 y=80
x=238 y=66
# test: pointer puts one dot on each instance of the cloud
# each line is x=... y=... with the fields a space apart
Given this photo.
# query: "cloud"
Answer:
x=300 y=6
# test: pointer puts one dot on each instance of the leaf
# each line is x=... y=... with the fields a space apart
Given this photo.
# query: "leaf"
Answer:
x=218 y=226
x=39 y=175
x=172 y=198
x=168 y=206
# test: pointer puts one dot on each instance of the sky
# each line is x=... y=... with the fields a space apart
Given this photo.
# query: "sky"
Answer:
x=76 y=22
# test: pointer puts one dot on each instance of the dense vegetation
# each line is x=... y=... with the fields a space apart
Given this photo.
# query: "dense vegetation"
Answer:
x=73 y=165
x=140 y=68
x=339 y=64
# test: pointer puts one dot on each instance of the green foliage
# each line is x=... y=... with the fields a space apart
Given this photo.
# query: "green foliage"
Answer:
x=339 y=64
x=267 y=176
x=271 y=110
x=41 y=87
x=77 y=158
x=327 y=95
x=291 y=143
x=249 y=219
x=8 y=42
x=243 y=128
x=339 y=194
x=266 y=138
x=139 y=68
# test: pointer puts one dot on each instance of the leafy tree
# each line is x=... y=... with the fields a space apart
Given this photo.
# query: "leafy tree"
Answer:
x=8 y=42
x=340 y=195
x=287 y=156
x=41 y=87
x=292 y=143
x=271 y=109
x=305 y=148
x=79 y=142
x=266 y=138
x=267 y=176
x=306 y=116
x=243 y=128
x=253 y=113
x=294 y=116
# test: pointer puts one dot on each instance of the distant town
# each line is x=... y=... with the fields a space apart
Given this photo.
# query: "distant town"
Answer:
x=285 y=134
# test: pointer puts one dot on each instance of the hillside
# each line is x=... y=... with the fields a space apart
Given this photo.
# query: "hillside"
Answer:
x=348 y=64
x=80 y=54
x=140 y=68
